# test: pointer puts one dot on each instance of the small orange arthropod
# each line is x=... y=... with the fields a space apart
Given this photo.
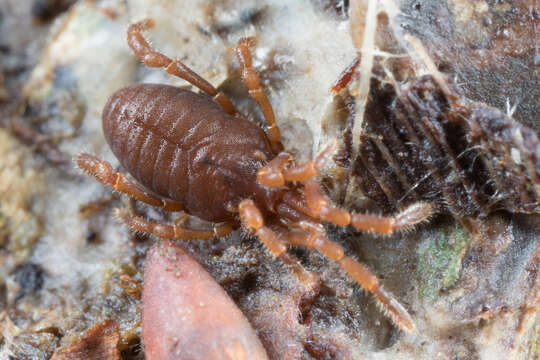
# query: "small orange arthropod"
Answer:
x=199 y=154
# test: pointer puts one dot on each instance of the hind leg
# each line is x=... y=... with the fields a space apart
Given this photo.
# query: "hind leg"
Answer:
x=105 y=174
x=175 y=231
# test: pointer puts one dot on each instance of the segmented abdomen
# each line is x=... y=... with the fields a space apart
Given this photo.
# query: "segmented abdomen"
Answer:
x=183 y=146
x=144 y=125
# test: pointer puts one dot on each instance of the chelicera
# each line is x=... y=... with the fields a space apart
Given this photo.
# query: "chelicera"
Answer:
x=197 y=154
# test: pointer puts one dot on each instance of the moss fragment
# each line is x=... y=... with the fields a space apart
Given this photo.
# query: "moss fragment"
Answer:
x=439 y=262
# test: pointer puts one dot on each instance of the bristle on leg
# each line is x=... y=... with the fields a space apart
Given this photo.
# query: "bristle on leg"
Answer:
x=165 y=231
x=414 y=214
x=359 y=272
x=393 y=309
x=104 y=172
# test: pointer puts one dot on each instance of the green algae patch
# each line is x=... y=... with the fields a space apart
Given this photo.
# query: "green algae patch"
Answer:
x=439 y=261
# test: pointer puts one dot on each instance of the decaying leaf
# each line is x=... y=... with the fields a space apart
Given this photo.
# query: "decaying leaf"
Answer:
x=98 y=343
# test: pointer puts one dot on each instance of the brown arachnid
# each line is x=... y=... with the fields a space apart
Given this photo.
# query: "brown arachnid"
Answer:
x=203 y=157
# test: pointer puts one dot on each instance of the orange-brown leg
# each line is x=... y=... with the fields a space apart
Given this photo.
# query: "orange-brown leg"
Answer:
x=104 y=172
x=298 y=203
x=251 y=79
x=320 y=206
x=271 y=175
x=171 y=231
x=311 y=169
x=152 y=58
x=276 y=169
x=252 y=219
x=362 y=275
x=274 y=174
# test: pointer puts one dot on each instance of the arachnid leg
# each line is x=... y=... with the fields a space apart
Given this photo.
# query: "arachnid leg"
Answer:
x=357 y=271
x=271 y=175
x=171 y=231
x=312 y=168
x=275 y=173
x=251 y=79
x=252 y=219
x=152 y=58
x=104 y=172
x=320 y=205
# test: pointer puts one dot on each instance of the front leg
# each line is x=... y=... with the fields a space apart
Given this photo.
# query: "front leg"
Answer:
x=252 y=219
x=276 y=172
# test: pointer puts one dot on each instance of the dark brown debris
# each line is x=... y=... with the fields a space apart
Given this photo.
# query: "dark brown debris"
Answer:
x=98 y=343
x=466 y=158
x=46 y=10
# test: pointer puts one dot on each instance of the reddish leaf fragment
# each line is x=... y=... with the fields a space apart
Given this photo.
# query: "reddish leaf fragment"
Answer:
x=346 y=76
x=100 y=342
x=186 y=313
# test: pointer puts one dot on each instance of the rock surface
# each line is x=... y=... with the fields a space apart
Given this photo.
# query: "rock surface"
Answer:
x=66 y=264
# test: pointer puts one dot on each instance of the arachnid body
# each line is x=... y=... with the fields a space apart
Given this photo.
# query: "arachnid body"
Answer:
x=422 y=143
x=203 y=157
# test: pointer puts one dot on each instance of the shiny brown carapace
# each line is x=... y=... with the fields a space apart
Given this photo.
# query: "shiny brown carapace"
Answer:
x=197 y=154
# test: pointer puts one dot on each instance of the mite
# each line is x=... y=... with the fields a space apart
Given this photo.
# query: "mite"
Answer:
x=197 y=154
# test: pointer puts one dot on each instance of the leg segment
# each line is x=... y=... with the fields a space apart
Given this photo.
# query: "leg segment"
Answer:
x=297 y=202
x=251 y=79
x=311 y=169
x=152 y=58
x=170 y=231
x=320 y=206
x=276 y=169
x=271 y=175
x=103 y=171
x=358 y=272
x=252 y=219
